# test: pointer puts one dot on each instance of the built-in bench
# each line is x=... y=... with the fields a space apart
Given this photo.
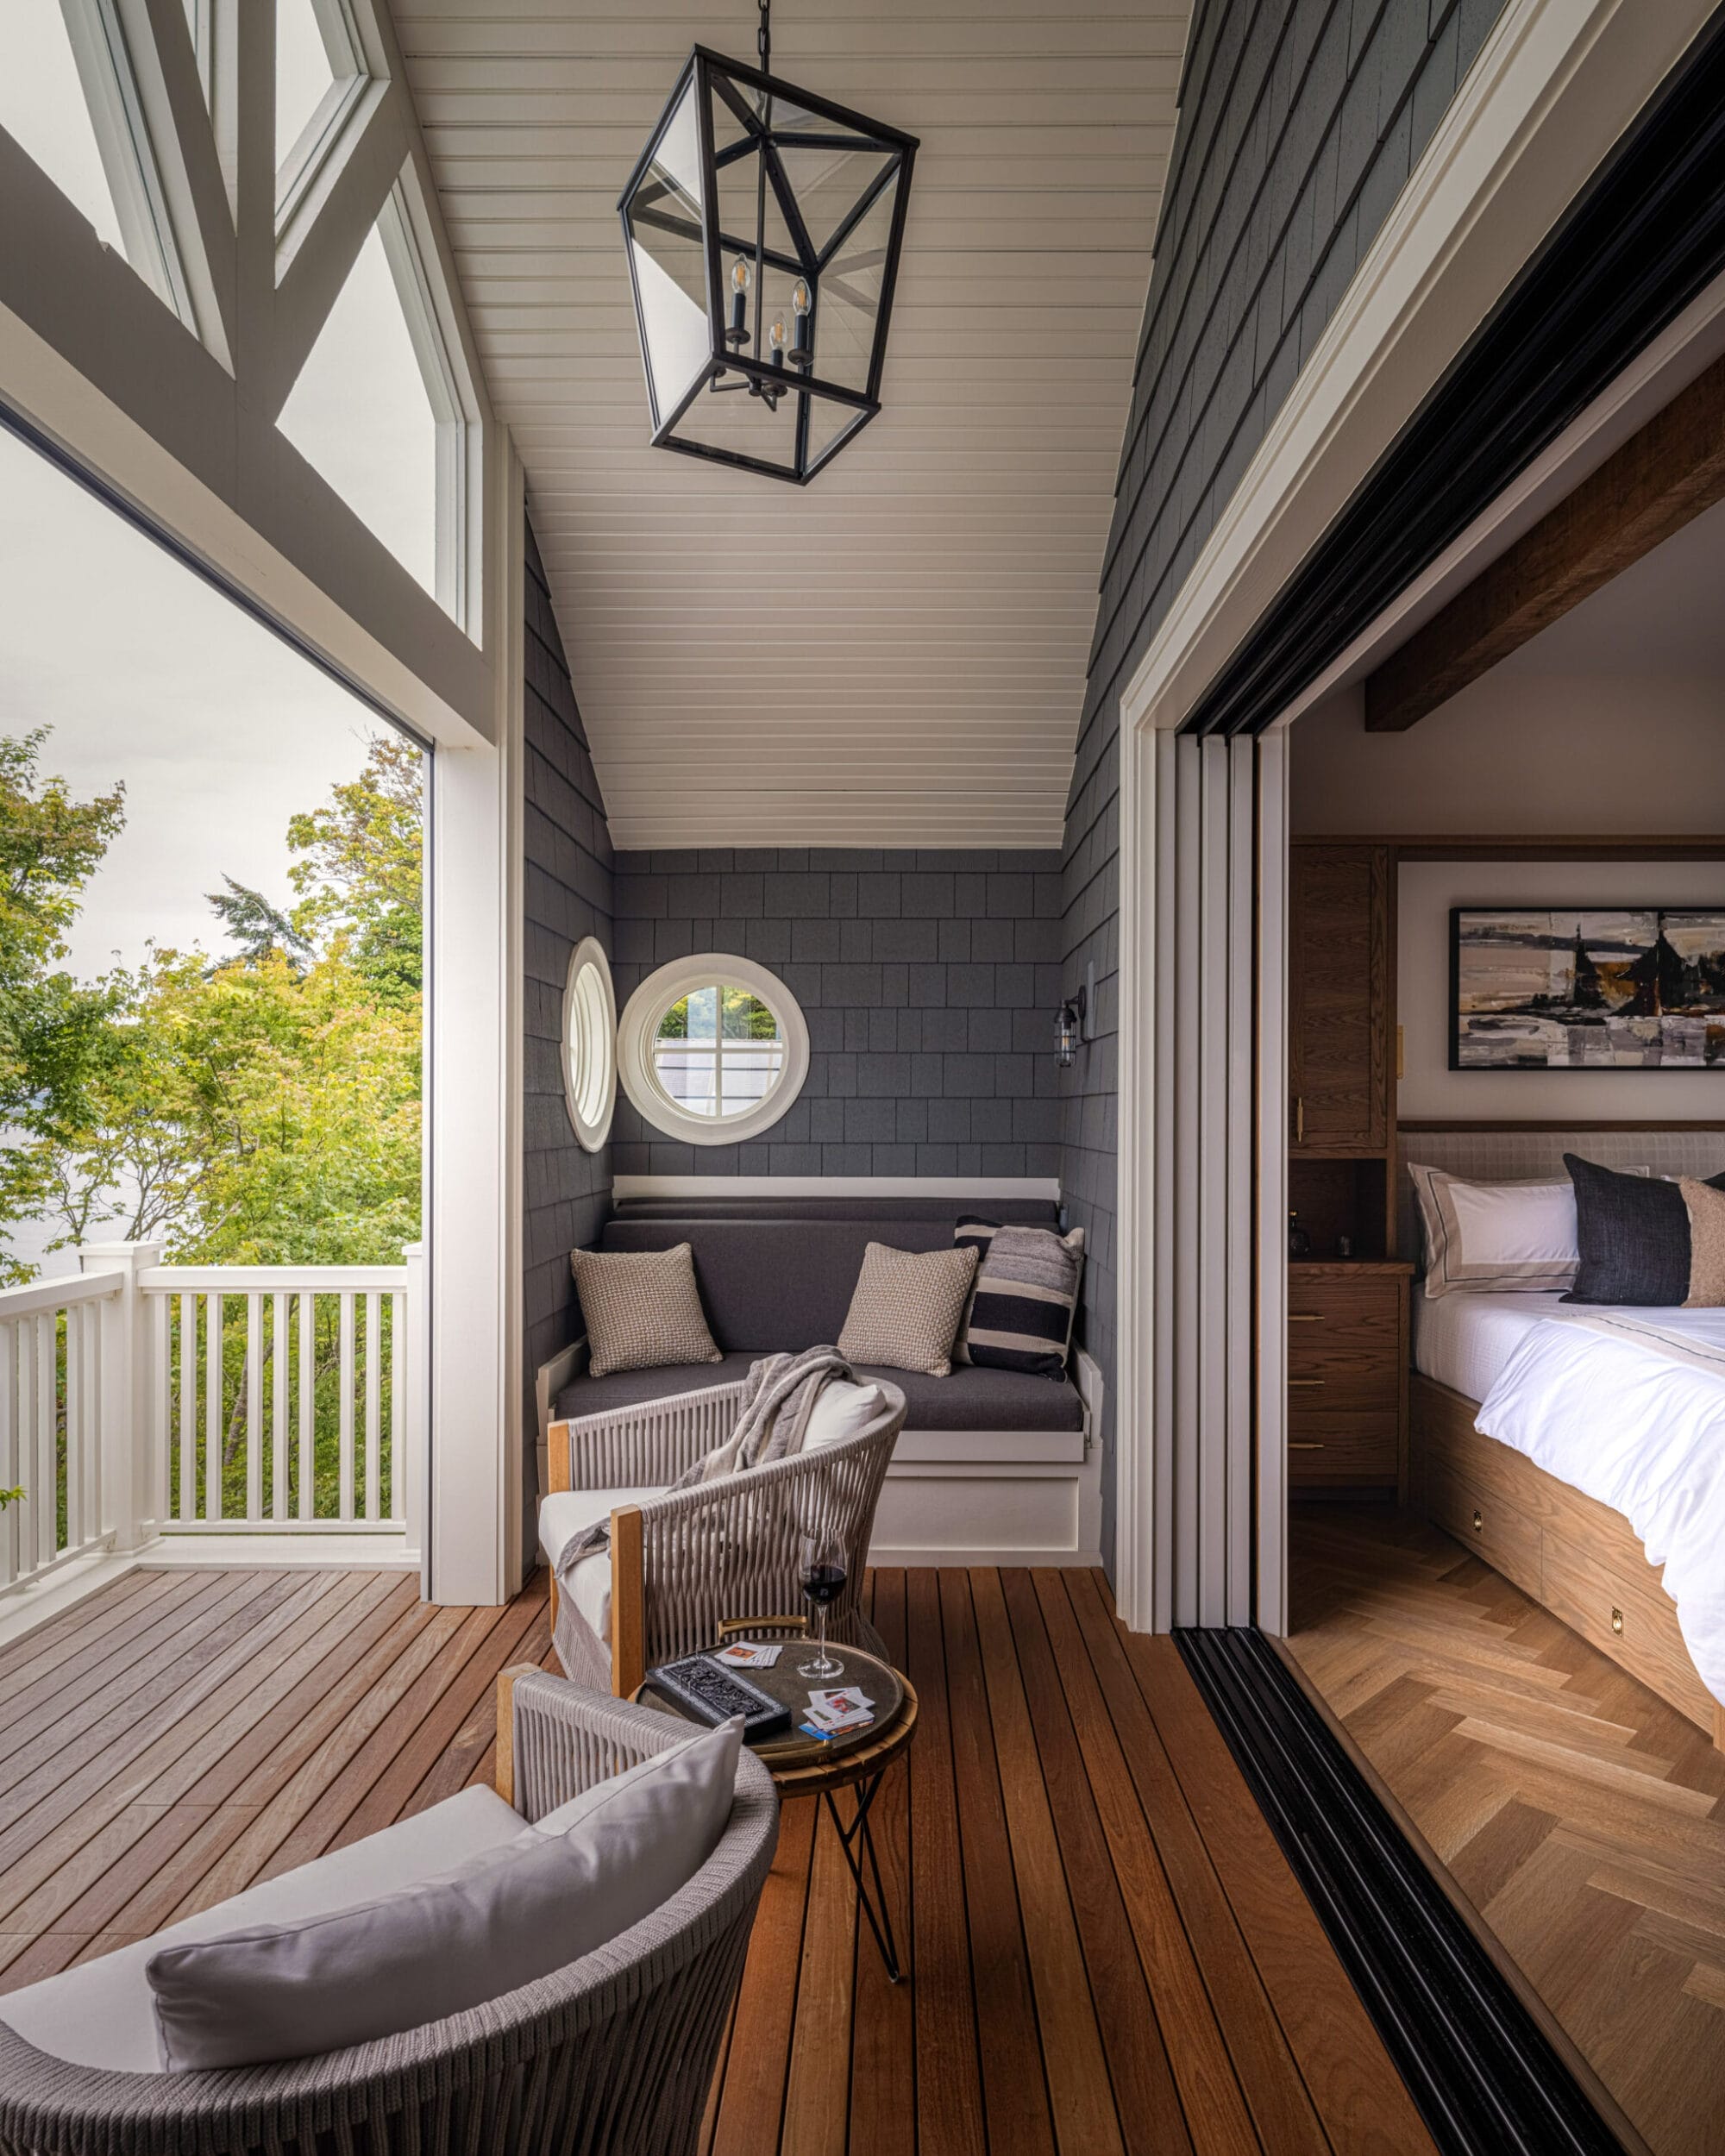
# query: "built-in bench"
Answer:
x=993 y=1467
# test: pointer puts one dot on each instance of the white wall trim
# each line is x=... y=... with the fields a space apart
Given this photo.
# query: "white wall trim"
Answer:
x=979 y=1186
x=1552 y=89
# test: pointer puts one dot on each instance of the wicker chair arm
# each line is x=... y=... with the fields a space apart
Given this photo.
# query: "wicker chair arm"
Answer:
x=566 y=1738
x=653 y=1441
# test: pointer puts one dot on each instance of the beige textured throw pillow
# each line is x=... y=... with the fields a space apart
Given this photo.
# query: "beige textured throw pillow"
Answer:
x=905 y=1312
x=1706 y=1205
x=642 y=1309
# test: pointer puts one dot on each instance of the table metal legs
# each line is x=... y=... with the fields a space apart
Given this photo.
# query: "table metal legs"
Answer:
x=857 y=1841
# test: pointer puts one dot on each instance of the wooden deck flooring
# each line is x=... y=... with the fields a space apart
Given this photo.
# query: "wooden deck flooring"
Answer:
x=1582 y=1818
x=1107 y=1951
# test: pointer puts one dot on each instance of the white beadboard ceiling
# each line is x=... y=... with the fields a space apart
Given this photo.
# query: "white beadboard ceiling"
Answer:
x=894 y=655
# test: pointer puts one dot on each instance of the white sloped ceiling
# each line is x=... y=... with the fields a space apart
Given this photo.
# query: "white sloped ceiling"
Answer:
x=893 y=655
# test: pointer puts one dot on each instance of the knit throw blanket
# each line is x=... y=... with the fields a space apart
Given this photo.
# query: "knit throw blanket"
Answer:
x=779 y=1398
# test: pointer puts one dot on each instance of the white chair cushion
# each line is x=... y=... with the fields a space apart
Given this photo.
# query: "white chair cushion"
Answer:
x=579 y=1878
x=564 y=1513
x=102 y=2013
x=842 y=1411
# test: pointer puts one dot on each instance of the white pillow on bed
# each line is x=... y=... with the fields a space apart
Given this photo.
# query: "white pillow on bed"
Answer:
x=1482 y=1238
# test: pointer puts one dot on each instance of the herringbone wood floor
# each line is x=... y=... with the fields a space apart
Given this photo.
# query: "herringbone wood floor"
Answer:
x=1582 y=1816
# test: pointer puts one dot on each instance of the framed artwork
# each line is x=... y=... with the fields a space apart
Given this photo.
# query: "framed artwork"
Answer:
x=1587 y=988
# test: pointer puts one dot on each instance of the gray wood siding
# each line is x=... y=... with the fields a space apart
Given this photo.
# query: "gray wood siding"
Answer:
x=930 y=982
x=1300 y=122
x=567 y=894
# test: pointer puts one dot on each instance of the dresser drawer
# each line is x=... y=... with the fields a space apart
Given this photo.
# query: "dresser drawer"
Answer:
x=1351 y=1449
x=1634 y=1622
x=1363 y=1316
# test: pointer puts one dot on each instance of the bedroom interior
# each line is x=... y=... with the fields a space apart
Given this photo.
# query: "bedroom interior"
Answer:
x=1483 y=1626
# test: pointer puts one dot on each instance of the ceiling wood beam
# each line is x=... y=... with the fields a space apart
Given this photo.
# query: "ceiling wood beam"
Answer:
x=1660 y=479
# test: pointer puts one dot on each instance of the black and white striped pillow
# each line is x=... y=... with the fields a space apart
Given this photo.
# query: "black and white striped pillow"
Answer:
x=1026 y=1294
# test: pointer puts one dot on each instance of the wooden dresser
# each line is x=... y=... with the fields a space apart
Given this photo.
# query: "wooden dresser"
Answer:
x=1347 y=1377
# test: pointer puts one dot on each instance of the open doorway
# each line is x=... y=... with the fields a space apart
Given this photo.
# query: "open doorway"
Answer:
x=212 y=944
x=1506 y=1069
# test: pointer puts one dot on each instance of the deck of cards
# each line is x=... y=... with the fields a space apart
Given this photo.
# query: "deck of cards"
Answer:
x=748 y=1654
x=830 y=1714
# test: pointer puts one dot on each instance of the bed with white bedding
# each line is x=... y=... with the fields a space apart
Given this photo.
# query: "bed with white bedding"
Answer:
x=1581 y=1451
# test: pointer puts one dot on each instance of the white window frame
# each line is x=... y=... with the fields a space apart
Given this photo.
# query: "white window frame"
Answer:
x=639 y=1029
x=589 y=956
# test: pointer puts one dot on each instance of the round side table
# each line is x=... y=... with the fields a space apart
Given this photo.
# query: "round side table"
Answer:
x=817 y=1767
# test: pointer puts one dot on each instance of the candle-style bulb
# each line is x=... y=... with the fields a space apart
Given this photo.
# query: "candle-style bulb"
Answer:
x=802 y=351
x=737 y=335
x=777 y=333
x=799 y=297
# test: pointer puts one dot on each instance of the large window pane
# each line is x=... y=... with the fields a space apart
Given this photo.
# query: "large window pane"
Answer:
x=303 y=72
x=361 y=415
x=42 y=107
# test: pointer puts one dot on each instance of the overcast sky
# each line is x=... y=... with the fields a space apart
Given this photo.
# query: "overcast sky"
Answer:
x=145 y=674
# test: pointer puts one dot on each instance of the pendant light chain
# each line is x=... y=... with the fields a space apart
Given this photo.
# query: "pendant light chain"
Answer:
x=763 y=39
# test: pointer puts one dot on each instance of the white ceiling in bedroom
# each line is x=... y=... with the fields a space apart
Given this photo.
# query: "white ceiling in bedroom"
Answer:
x=896 y=654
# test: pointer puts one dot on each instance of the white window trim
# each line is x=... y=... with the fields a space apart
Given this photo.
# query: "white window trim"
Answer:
x=640 y=1024
x=589 y=952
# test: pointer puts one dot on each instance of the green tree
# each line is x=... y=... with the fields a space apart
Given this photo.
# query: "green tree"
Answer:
x=362 y=880
x=260 y=930
x=53 y=1031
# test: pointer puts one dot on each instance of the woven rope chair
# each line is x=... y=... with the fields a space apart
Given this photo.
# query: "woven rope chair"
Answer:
x=611 y=2056
x=682 y=1564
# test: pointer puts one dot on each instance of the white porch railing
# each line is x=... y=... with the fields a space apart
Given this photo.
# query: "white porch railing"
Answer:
x=138 y=1399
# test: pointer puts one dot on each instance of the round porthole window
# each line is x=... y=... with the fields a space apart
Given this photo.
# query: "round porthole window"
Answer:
x=589 y=1044
x=713 y=1049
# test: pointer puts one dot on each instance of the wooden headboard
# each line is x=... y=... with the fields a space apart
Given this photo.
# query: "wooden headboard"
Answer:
x=1509 y=1152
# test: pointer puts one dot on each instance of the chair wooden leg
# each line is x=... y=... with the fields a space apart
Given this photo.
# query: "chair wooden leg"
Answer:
x=504 y=1771
x=627 y=1603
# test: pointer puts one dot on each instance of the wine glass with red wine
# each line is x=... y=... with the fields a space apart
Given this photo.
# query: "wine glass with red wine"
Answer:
x=821 y=1569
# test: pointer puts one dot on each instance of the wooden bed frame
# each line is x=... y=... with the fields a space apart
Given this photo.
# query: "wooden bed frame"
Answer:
x=1579 y=1558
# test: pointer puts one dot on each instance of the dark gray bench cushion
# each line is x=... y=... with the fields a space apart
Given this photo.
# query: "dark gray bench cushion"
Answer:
x=783 y=1280
x=971 y=1399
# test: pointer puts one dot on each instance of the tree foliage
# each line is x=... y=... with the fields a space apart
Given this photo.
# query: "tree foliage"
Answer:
x=259 y=1107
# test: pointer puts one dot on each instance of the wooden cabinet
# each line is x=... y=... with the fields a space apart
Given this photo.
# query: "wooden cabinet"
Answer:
x=1339 y=1001
x=1347 y=1378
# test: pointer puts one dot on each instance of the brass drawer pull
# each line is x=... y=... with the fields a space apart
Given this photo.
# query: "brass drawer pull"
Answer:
x=1303 y=1384
x=1618 y=1622
x=1479 y=1523
x=1304 y=1444
x=1302 y=1317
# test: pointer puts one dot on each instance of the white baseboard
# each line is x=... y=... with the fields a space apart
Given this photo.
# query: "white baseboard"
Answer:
x=266 y=1552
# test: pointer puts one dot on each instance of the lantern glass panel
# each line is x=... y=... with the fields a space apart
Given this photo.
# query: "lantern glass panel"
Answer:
x=849 y=301
x=831 y=425
x=668 y=255
x=828 y=183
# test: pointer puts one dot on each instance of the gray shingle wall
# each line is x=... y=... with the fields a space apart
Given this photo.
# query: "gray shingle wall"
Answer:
x=930 y=982
x=1300 y=121
x=568 y=884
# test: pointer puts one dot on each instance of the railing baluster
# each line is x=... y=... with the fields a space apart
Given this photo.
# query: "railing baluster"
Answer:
x=188 y=1407
x=9 y=1474
x=373 y=1400
x=255 y=1405
x=278 y=1406
x=308 y=1406
x=47 y=1419
x=74 y=1416
x=347 y=1421
x=161 y=1407
x=398 y=1427
x=213 y=1432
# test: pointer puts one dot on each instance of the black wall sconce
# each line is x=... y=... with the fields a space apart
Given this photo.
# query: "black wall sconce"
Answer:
x=1070 y=1028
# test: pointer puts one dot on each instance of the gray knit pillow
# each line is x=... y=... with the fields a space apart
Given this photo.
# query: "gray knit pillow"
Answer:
x=904 y=1314
x=642 y=1309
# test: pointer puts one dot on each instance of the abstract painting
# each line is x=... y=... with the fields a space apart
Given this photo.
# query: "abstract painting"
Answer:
x=1587 y=988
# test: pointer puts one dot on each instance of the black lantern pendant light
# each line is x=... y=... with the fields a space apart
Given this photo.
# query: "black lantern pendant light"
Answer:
x=763 y=226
